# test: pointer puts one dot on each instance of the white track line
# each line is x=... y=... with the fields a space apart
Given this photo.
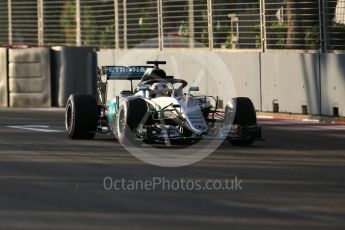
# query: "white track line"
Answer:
x=37 y=128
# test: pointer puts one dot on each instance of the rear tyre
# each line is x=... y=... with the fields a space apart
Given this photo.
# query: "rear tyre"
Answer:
x=131 y=114
x=81 y=116
x=243 y=115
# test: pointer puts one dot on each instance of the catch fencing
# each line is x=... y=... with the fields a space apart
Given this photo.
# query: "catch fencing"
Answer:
x=259 y=25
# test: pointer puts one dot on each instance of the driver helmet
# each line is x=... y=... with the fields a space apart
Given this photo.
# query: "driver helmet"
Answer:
x=160 y=89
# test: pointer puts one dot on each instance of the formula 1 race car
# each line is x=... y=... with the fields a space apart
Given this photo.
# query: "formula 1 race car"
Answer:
x=158 y=109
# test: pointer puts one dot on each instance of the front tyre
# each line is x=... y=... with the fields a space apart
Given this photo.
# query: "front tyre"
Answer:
x=133 y=112
x=81 y=116
x=243 y=115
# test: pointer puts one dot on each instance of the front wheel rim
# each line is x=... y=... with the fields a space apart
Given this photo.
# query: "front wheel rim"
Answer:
x=122 y=122
x=68 y=120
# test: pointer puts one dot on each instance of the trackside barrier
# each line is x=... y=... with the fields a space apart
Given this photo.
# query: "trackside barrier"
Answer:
x=3 y=78
x=245 y=72
x=74 y=70
x=29 y=78
x=333 y=84
x=209 y=70
x=291 y=82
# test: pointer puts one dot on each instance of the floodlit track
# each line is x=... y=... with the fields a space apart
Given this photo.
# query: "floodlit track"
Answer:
x=293 y=180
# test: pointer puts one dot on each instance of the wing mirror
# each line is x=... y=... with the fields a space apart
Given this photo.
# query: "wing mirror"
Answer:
x=194 y=89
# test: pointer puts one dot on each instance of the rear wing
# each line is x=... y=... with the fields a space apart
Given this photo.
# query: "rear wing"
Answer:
x=124 y=73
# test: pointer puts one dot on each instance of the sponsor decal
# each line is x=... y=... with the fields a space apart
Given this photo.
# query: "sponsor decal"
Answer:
x=123 y=70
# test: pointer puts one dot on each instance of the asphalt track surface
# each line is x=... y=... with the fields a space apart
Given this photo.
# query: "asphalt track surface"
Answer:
x=293 y=180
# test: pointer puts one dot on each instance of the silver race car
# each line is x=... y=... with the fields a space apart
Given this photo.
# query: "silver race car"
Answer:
x=159 y=109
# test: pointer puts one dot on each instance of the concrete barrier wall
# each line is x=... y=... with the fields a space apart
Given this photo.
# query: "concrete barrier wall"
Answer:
x=74 y=71
x=29 y=77
x=217 y=74
x=292 y=80
x=3 y=78
x=333 y=83
x=245 y=71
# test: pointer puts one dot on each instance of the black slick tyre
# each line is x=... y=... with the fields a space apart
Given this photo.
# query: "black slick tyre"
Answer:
x=244 y=115
x=132 y=112
x=245 y=111
x=81 y=116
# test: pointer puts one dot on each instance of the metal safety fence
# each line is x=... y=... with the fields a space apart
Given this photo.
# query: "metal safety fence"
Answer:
x=317 y=25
